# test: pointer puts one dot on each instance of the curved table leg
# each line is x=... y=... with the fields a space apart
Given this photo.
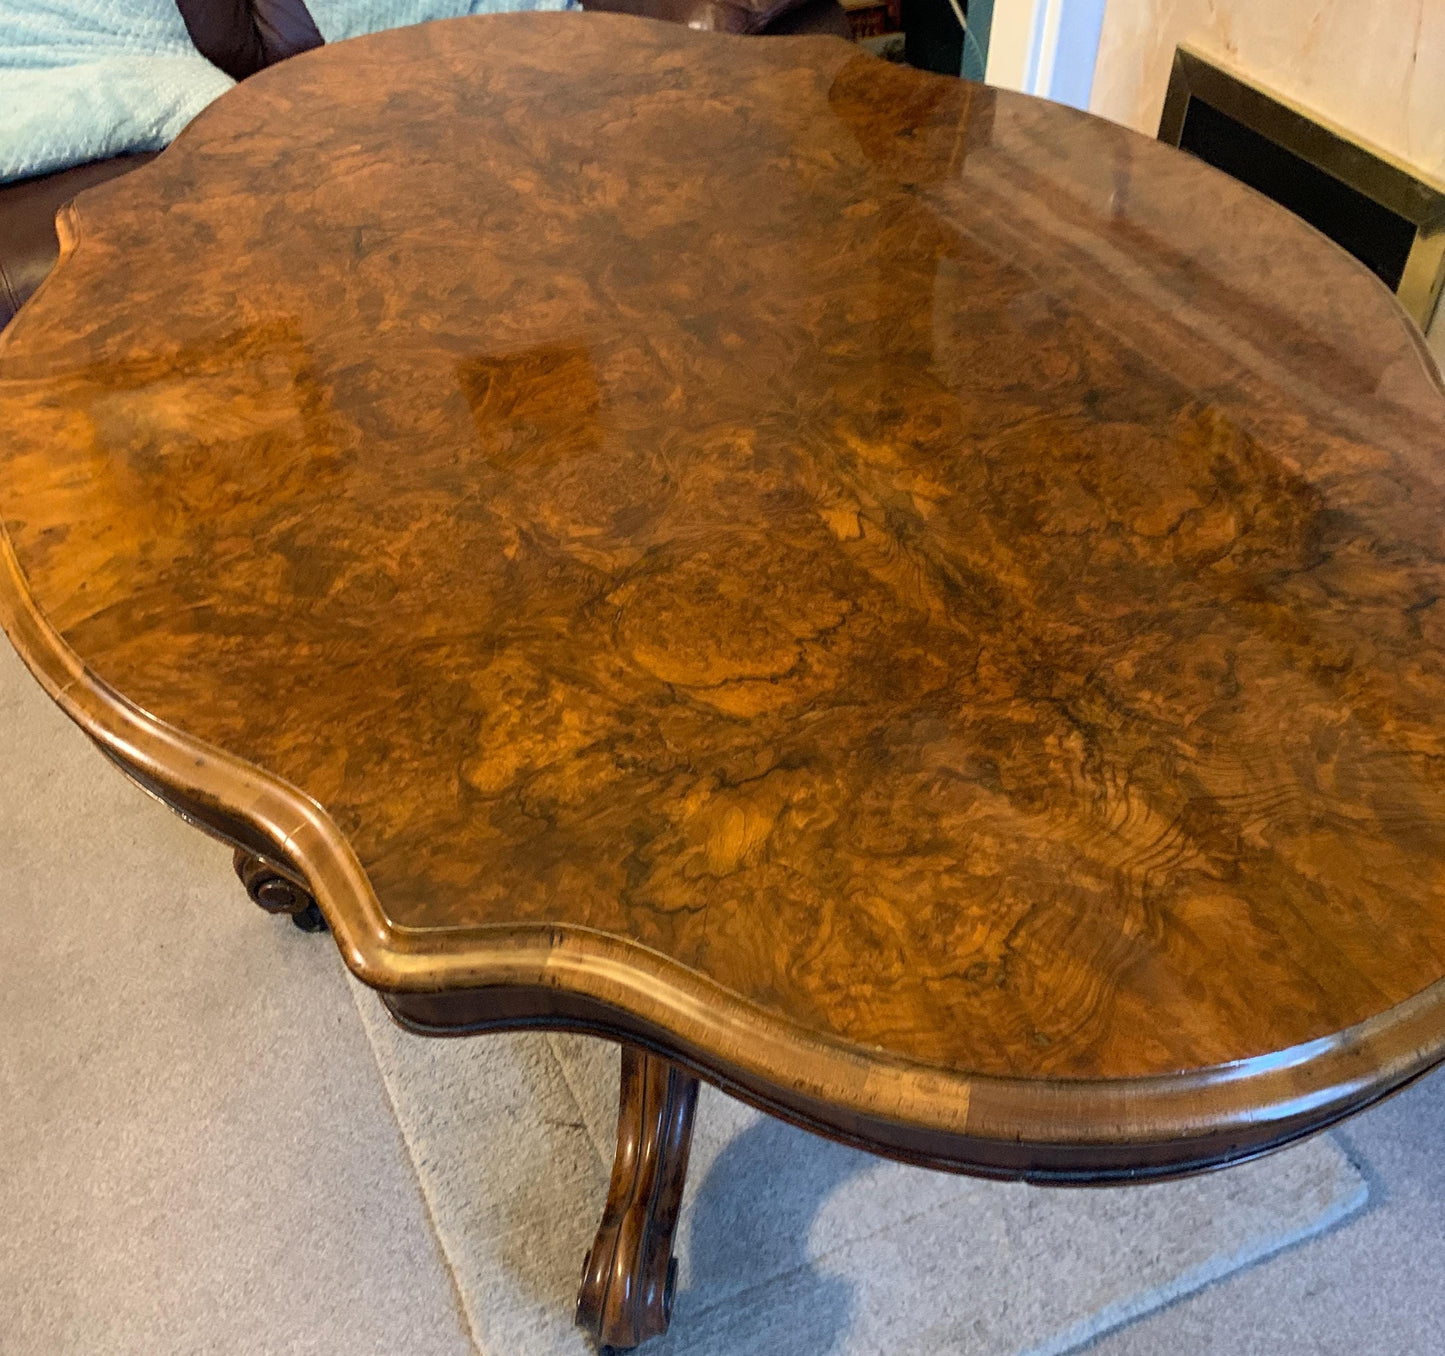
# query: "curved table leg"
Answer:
x=627 y=1279
x=275 y=893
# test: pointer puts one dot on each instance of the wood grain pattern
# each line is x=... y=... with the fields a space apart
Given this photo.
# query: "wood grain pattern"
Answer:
x=629 y=1274
x=921 y=600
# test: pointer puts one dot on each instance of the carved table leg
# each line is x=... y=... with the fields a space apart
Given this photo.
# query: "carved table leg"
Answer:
x=627 y=1279
x=276 y=894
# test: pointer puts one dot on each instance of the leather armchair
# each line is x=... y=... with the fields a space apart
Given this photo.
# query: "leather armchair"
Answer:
x=244 y=36
x=29 y=246
x=737 y=16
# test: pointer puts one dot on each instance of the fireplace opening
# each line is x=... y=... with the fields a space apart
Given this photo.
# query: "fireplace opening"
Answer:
x=1389 y=217
x=1376 y=236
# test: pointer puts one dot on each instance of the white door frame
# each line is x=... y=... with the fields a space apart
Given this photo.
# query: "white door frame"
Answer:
x=1045 y=47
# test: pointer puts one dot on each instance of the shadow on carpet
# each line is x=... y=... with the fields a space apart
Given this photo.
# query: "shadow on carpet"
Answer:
x=791 y=1245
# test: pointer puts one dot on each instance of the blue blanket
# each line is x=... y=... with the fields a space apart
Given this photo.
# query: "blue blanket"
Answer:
x=85 y=79
x=92 y=78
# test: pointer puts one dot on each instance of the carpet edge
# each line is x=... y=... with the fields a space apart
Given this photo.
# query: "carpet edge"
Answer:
x=1221 y=1266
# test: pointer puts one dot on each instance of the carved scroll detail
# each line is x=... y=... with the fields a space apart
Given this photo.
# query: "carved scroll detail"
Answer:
x=275 y=893
x=628 y=1277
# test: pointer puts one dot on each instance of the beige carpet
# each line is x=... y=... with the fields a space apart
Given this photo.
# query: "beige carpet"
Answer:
x=792 y=1246
x=197 y=1153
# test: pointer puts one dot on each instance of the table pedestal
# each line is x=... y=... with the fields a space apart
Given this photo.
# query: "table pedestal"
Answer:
x=275 y=893
x=629 y=1274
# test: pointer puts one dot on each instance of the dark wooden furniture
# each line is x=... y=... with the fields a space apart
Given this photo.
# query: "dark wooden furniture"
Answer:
x=239 y=36
x=914 y=604
x=245 y=36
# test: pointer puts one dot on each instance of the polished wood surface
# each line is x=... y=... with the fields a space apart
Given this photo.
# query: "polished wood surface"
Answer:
x=274 y=893
x=629 y=1275
x=920 y=603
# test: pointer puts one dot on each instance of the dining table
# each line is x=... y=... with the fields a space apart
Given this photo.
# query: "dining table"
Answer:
x=914 y=604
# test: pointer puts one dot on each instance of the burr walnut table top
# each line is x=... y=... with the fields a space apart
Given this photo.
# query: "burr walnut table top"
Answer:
x=926 y=605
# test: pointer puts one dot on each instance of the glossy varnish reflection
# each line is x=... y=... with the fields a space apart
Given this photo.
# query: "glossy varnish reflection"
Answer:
x=920 y=603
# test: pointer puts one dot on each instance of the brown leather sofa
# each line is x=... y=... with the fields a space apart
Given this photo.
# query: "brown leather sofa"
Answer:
x=244 y=36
